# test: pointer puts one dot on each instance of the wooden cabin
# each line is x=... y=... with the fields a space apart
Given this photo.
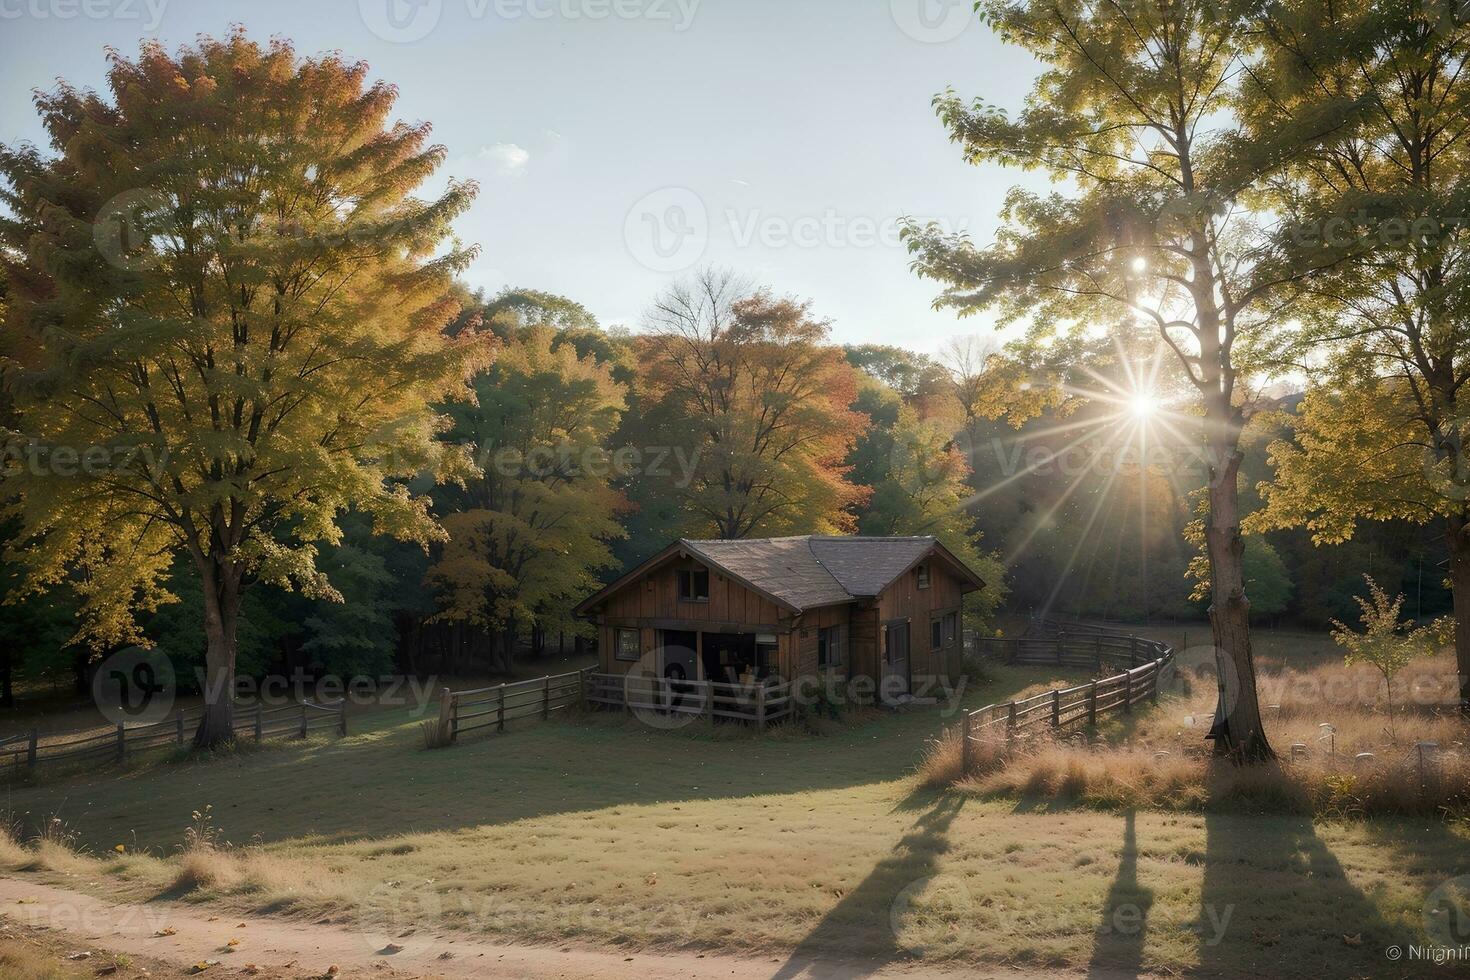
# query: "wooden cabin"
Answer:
x=883 y=610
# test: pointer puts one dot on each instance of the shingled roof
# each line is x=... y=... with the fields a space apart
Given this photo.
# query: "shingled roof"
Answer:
x=815 y=570
x=803 y=572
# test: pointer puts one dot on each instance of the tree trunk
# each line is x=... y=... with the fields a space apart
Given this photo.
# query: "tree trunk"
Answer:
x=1237 y=732
x=221 y=617
x=1458 y=533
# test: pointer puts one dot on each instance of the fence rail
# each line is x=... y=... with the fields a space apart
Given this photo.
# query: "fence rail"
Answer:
x=758 y=702
x=26 y=752
x=492 y=707
x=1068 y=645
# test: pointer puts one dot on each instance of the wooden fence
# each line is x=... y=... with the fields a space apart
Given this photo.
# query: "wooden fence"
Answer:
x=486 y=707
x=1140 y=662
x=757 y=702
x=24 y=753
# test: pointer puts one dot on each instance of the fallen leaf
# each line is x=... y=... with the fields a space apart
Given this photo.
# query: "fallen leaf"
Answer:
x=83 y=955
x=1356 y=939
x=170 y=931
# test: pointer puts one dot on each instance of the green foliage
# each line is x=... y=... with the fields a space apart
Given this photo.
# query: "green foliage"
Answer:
x=529 y=535
x=1267 y=582
x=1386 y=644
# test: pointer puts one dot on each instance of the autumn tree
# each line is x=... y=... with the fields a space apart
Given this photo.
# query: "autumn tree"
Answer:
x=917 y=472
x=1383 y=435
x=1134 y=114
x=228 y=305
x=759 y=402
x=529 y=535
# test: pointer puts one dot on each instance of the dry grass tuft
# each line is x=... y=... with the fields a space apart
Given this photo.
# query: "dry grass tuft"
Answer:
x=1330 y=713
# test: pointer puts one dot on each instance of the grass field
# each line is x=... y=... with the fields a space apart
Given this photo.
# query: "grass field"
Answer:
x=596 y=830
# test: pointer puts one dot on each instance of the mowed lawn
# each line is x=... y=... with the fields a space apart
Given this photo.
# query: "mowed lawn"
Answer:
x=599 y=831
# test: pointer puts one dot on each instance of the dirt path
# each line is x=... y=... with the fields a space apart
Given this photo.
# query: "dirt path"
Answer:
x=275 y=947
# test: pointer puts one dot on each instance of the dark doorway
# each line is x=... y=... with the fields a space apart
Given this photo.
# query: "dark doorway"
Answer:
x=895 y=661
x=679 y=657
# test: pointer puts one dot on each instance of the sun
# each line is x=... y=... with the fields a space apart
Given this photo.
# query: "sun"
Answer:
x=1143 y=405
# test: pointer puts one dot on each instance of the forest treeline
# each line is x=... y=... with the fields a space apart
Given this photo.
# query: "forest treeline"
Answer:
x=731 y=412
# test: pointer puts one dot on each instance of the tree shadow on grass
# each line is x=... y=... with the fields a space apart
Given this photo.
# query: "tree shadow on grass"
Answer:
x=1117 y=948
x=866 y=914
x=1276 y=901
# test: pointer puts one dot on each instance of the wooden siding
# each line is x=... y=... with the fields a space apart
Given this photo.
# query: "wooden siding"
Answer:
x=905 y=601
x=806 y=639
x=651 y=602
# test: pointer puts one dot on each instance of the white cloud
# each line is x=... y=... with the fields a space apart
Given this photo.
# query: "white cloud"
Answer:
x=508 y=159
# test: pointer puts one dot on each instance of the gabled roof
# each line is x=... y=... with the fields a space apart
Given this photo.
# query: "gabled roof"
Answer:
x=807 y=571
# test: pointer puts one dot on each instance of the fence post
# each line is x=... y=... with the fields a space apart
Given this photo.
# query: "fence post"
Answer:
x=1010 y=722
x=342 y=718
x=446 y=712
x=1092 y=704
x=1061 y=642
x=1133 y=651
x=1153 y=683
x=1128 y=692
x=122 y=741
x=303 y=719
x=584 y=677
x=179 y=722
x=500 y=710
x=31 y=748
x=1056 y=709
x=546 y=698
x=760 y=705
x=259 y=724
x=966 y=732
x=709 y=700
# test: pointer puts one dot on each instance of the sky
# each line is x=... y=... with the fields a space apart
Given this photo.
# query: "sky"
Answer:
x=619 y=144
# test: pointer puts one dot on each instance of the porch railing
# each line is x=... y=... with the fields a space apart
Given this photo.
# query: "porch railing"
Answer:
x=759 y=702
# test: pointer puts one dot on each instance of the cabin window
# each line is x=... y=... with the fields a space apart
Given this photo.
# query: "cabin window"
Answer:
x=829 y=647
x=693 y=585
x=923 y=575
x=936 y=634
x=627 y=645
x=951 y=628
